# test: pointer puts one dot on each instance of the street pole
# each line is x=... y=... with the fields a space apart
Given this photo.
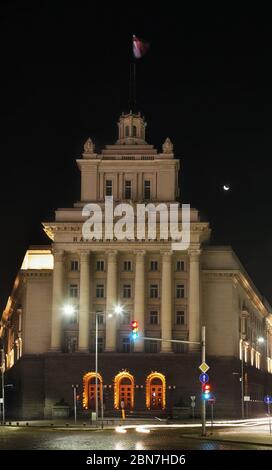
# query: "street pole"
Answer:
x=3 y=385
x=203 y=407
x=96 y=366
x=242 y=383
x=75 y=401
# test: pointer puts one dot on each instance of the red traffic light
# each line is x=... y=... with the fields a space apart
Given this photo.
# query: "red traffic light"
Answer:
x=134 y=327
x=134 y=324
x=206 y=388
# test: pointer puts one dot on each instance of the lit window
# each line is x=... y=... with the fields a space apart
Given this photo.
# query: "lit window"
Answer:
x=252 y=354
x=147 y=189
x=127 y=291
x=73 y=290
x=154 y=291
x=127 y=266
x=153 y=265
x=180 y=317
x=128 y=189
x=108 y=187
x=100 y=291
x=180 y=291
x=154 y=317
x=100 y=265
x=180 y=265
x=74 y=265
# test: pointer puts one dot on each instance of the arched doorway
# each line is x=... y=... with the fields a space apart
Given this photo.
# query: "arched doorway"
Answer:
x=89 y=390
x=124 y=390
x=155 y=391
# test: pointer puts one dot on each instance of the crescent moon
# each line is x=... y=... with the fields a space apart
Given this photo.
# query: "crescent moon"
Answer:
x=226 y=187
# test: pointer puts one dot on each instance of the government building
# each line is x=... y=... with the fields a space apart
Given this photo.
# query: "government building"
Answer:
x=77 y=286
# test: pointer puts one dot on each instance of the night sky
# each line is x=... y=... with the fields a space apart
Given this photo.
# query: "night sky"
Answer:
x=206 y=83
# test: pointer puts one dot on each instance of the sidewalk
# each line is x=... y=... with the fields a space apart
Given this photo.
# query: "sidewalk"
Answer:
x=258 y=435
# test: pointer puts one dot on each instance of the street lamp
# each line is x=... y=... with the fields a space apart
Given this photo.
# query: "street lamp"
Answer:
x=118 y=310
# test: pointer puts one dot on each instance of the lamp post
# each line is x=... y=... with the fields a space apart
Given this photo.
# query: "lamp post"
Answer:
x=118 y=310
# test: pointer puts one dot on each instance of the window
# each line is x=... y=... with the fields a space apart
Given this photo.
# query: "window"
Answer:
x=134 y=131
x=73 y=317
x=180 y=317
x=74 y=265
x=180 y=291
x=180 y=347
x=127 y=131
x=73 y=291
x=153 y=265
x=127 y=291
x=128 y=189
x=125 y=318
x=100 y=265
x=127 y=266
x=151 y=346
x=180 y=265
x=71 y=344
x=126 y=345
x=100 y=291
x=100 y=317
x=108 y=187
x=154 y=291
x=154 y=317
x=100 y=345
x=147 y=189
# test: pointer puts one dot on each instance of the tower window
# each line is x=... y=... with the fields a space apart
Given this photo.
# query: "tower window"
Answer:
x=73 y=290
x=147 y=189
x=134 y=131
x=108 y=187
x=128 y=189
x=180 y=291
x=127 y=131
x=154 y=317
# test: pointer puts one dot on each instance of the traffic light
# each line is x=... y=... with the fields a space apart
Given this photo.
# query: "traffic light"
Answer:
x=206 y=391
x=134 y=330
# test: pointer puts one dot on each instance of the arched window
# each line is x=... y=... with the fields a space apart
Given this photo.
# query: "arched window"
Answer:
x=134 y=131
x=127 y=131
x=124 y=390
x=155 y=391
x=89 y=390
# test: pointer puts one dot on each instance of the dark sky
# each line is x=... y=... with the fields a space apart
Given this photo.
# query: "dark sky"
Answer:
x=206 y=83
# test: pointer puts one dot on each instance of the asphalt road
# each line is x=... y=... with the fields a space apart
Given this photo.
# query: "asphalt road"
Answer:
x=161 y=439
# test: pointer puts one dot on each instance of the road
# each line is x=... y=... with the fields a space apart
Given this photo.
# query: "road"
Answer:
x=160 y=439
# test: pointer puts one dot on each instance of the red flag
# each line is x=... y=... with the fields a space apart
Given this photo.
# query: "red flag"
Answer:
x=140 y=47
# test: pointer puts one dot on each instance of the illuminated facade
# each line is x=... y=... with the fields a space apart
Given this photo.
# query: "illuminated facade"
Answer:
x=170 y=293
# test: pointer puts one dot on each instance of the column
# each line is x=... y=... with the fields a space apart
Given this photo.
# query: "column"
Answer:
x=84 y=302
x=111 y=301
x=194 y=300
x=139 y=297
x=57 y=301
x=166 y=301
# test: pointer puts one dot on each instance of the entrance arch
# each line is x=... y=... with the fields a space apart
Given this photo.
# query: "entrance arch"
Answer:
x=89 y=390
x=124 y=390
x=155 y=391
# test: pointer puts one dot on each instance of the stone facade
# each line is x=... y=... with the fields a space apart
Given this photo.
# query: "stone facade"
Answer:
x=170 y=293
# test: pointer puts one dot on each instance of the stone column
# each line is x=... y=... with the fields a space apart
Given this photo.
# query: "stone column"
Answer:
x=57 y=301
x=166 y=301
x=111 y=302
x=84 y=302
x=139 y=298
x=194 y=300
